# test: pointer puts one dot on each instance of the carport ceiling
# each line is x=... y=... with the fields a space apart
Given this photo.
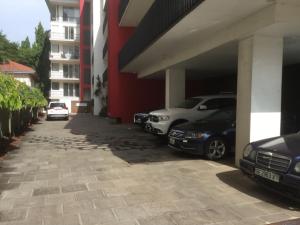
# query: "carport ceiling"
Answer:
x=223 y=60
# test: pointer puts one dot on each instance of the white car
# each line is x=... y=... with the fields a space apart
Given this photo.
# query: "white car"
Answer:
x=57 y=110
x=161 y=121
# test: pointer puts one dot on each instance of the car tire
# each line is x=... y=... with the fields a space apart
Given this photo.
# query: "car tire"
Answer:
x=48 y=118
x=215 y=148
x=67 y=118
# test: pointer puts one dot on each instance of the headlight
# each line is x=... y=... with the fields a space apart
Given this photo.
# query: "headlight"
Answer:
x=247 y=150
x=297 y=167
x=191 y=134
x=163 y=118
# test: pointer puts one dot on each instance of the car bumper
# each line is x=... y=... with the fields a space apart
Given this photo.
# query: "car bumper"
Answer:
x=57 y=115
x=194 y=147
x=288 y=184
x=160 y=128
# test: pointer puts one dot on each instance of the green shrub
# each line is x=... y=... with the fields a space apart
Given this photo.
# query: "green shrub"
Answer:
x=15 y=95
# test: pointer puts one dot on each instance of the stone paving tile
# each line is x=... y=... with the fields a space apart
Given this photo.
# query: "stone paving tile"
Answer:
x=46 y=191
x=93 y=217
x=78 y=207
x=29 y=202
x=130 y=213
x=12 y=215
x=161 y=220
x=49 y=211
x=85 y=171
x=113 y=202
x=62 y=220
x=73 y=188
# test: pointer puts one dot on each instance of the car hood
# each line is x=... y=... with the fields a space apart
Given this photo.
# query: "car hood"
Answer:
x=286 y=145
x=171 y=111
x=205 y=126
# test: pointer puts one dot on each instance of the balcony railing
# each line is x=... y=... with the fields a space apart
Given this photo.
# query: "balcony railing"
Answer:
x=161 y=17
x=105 y=49
x=63 y=36
x=71 y=19
x=122 y=8
x=59 y=56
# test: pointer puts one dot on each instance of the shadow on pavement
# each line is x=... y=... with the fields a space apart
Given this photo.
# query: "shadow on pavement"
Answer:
x=126 y=141
x=242 y=183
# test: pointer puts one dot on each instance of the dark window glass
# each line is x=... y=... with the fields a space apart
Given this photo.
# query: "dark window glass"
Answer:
x=86 y=14
x=55 y=86
x=222 y=115
x=87 y=56
x=71 y=89
x=54 y=105
x=212 y=104
x=87 y=38
x=66 y=90
x=66 y=71
x=87 y=76
x=190 y=103
x=227 y=102
x=77 y=90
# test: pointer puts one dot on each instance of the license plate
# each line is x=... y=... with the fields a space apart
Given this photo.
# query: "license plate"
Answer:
x=172 y=141
x=138 y=121
x=267 y=174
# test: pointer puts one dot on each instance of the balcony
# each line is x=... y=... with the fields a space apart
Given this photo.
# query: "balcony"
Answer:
x=60 y=36
x=131 y=12
x=68 y=57
x=60 y=75
x=160 y=18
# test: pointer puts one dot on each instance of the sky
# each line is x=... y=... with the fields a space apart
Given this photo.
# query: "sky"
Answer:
x=18 y=18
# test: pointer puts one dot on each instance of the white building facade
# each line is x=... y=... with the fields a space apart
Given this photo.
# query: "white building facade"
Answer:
x=64 y=55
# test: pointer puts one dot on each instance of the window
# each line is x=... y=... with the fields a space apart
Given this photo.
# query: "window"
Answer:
x=189 y=103
x=77 y=90
x=55 y=86
x=220 y=103
x=55 y=48
x=87 y=76
x=55 y=67
x=55 y=14
x=70 y=14
x=71 y=70
x=87 y=57
x=69 y=33
x=71 y=90
x=73 y=51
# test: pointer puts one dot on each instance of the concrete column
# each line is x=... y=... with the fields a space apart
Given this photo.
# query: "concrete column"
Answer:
x=175 y=87
x=259 y=90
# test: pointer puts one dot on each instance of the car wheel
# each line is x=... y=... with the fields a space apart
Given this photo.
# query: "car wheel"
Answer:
x=215 y=148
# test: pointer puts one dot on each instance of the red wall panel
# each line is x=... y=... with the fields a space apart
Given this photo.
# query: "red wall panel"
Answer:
x=126 y=93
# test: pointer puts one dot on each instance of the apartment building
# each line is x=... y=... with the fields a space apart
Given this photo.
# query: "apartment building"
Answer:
x=70 y=55
x=161 y=52
x=143 y=55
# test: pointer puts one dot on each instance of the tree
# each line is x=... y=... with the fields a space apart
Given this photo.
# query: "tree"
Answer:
x=8 y=50
x=43 y=66
x=25 y=44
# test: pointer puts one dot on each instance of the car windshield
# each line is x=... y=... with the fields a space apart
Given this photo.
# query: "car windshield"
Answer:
x=55 y=105
x=189 y=103
x=222 y=115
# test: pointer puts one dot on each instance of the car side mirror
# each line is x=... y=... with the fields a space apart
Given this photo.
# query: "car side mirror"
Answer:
x=202 y=107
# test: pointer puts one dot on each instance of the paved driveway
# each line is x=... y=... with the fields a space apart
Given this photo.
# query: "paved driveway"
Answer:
x=86 y=171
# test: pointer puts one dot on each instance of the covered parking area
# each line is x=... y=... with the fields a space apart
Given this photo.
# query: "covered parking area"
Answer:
x=252 y=44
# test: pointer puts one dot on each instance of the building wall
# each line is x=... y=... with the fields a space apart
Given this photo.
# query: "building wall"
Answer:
x=85 y=51
x=25 y=79
x=126 y=93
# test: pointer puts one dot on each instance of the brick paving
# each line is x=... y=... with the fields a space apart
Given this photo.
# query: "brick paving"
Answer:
x=88 y=172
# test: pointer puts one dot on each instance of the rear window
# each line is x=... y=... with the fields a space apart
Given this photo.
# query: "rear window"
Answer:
x=55 y=105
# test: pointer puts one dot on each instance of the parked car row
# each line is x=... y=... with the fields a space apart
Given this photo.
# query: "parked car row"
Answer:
x=205 y=125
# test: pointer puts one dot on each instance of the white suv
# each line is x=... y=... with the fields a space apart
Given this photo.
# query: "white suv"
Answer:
x=56 y=110
x=161 y=121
